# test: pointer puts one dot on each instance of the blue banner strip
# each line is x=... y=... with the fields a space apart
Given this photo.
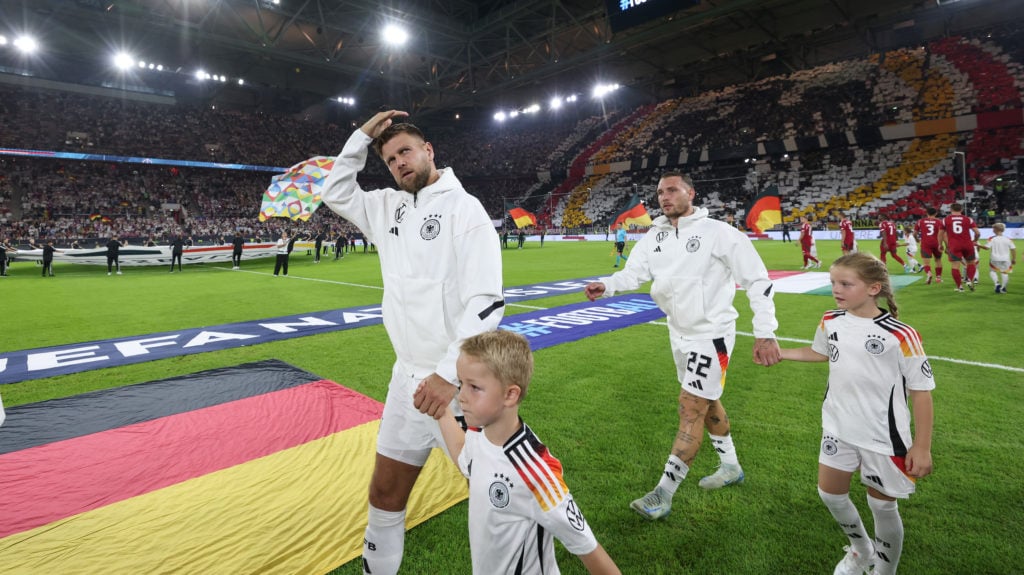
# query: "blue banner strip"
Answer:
x=544 y=328
x=136 y=160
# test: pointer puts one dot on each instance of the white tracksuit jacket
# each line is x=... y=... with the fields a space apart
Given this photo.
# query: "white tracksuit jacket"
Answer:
x=439 y=256
x=695 y=269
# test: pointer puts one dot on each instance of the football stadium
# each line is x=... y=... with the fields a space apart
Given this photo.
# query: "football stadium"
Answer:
x=197 y=347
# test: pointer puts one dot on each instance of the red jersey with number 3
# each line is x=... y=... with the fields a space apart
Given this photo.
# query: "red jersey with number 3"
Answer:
x=928 y=229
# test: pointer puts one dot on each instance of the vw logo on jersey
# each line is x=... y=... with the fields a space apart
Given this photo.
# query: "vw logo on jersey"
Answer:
x=660 y=237
x=400 y=213
x=926 y=369
x=829 y=446
x=833 y=352
x=575 y=516
x=498 y=494
x=431 y=227
x=874 y=346
x=693 y=244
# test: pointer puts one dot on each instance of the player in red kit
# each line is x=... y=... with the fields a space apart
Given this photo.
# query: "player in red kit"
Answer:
x=959 y=234
x=848 y=243
x=928 y=230
x=890 y=240
x=806 y=241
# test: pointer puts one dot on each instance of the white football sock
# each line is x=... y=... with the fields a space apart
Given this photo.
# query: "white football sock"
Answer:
x=888 y=534
x=384 y=542
x=675 y=473
x=725 y=449
x=846 y=515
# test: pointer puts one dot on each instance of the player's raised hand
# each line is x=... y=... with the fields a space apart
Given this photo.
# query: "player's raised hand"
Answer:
x=433 y=395
x=381 y=121
x=594 y=290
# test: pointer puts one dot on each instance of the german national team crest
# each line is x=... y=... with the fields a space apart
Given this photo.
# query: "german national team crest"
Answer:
x=693 y=244
x=874 y=345
x=498 y=492
x=829 y=446
x=431 y=227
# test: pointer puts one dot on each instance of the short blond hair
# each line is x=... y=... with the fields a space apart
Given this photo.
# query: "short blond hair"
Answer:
x=999 y=227
x=506 y=354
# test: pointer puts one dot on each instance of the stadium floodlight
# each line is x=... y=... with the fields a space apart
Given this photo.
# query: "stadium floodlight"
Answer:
x=556 y=103
x=159 y=67
x=152 y=66
x=513 y=114
x=532 y=109
x=3 y=40
x=601 y=90
x=201 y=75
x=123 y=60
x=500 y=116
x=241 y=81
x=571 y=98
x=26 y=44
x=394 y=35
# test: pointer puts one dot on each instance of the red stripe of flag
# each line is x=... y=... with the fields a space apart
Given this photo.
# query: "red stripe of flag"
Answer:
x=53 y=481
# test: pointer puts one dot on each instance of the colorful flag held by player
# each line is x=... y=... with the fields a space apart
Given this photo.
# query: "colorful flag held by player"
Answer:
x=765 y=212
x=295 y=194
x=522 y=218
x=635 y=214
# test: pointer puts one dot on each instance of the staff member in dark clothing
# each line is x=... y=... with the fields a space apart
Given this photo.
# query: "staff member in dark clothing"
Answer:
x=339 y=246
x=236 y=251
x=3 y=257
x=284 y=247
x=48 y=251
x=113 y=254
x=319 y=244
x=177 y=248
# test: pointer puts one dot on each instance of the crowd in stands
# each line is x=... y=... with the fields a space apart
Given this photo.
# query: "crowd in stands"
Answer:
x=547 y=167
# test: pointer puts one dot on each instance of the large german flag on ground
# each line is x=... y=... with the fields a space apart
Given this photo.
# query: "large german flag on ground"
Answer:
x=256 y=468
x=635 y=214
x=765 y=211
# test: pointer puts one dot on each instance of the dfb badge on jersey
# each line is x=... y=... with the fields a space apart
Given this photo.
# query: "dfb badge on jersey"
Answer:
x=431 y=228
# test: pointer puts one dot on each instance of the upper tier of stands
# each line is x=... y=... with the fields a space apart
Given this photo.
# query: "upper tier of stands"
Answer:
x=572 y=173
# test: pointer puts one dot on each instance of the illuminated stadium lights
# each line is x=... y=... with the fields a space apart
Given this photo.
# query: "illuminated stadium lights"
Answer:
x=123 y=60
x=601 y=90
x=500 y=116
x=27 y=44
x=142 y=63
x=346 y=101
x=532 y=109
x=3 y=40
x=556 y=103
x=394 y=35
x=241 y=81
x=513 y=113
x=202 y=75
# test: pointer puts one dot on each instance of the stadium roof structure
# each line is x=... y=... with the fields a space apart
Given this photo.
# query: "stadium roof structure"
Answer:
x=464 y=55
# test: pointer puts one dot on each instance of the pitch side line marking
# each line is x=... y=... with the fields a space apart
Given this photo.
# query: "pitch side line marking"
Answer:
x=930 y=357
